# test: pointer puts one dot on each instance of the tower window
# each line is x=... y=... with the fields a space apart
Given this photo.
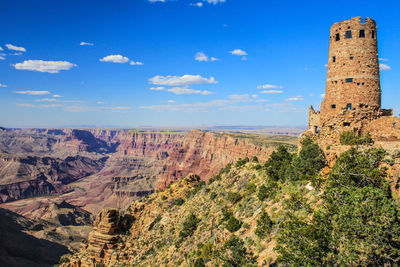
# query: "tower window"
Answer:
x=362 y=33
x=333 y=59
x=337 y=38
x=333 y=106
x=351 y=58
x=349 y=80
x=316 y=129
x=346 y=124
x=348 y=106
x=347 y=35
x=373 y=34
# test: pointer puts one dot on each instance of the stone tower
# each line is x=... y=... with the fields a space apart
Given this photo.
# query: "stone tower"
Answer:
x=353 y=68
x=352 y=99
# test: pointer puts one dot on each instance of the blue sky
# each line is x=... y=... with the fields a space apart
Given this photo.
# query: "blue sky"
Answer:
x=176 y=63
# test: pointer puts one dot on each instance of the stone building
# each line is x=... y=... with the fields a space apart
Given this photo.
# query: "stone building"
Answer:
x=352 y=99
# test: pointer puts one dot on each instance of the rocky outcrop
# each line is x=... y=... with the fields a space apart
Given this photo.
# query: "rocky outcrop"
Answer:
x=25 y=177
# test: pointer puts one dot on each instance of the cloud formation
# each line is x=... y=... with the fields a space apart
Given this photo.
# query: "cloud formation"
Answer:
x=114 y=59
x=269 y=86
x=2 y=58
x=3 y=85
x=238 y=52
x=182 y=90
x=39 y=105
x=184 y=80
x=296 y=98
x=201 y=56
x=136 y=63
x=199 y=4
x=44 y=66
x=154 y=1
x=85 y=43
x=383 y=66
x=271 y=92
x=214 y=2
x=15 y=48
x=1 y=48
x=29 y=92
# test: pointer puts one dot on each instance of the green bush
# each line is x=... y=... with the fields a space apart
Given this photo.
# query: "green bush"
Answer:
x=235 y=254
x=179 y=201
x=251 y=188
x=264 y=225
x=189 y=226
x=154 y=222
x=308 y=163
x=242 y=162
x=254 y=159
x=262 y=193
x=358 y=168
x=350 y=138
x=233 y=224
x=234 y=197
x=357 y=223
x=277 y=164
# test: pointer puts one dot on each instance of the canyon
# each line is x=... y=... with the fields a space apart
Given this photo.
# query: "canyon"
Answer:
x=60 y=178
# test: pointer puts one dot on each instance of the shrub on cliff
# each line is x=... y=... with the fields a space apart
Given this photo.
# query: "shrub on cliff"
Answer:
x=233 y=224
x=235 y=254
x=242 y=162
x=356 y=225
x=278 y=163
x=309 y=162
x=189 y=226
x=264 y=225
x=350 y=138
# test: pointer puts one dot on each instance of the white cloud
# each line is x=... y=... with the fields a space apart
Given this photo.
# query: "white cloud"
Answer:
x=240 y=98
x=154 y=1
x=47 y=100
x=117 y=109
x=39 y=106
x=238 y=52
x=28 y=92
x=15 y=48
x=188 y=91
x=181 y=80
x=57 y=96
x=100 y=102
x=171 y=101
x=2 y=58
x=214 y=2
x=1 y=48
x=85 y=43
x=44 y=66
x=94 y=109
x=296 y=98
x=383 y=66
x=271 y=92
x=138 y=63
x=3 y=85
x=114 y=59
x=269 y=86
x=15 y=54
x=159 y=88
x=201 y=56
x=199 y=4
x=383 y=59
x=322 y=95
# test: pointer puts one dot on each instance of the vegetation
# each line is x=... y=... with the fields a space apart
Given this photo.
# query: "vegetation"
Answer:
x=189 y=226
x=350 y=138
x=357 y=225
x=348 y=217
x=264 y=225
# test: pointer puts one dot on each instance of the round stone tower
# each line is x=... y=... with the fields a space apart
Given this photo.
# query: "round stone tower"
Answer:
x=352 y=84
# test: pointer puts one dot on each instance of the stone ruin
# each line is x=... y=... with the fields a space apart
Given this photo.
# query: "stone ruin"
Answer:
x=352 y=99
